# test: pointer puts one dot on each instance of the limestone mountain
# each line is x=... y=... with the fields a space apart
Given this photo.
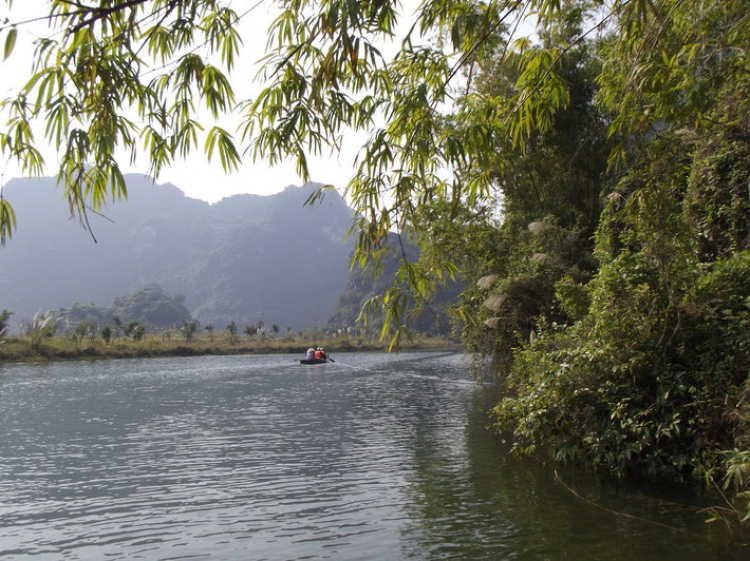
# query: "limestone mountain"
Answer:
x=245 y=259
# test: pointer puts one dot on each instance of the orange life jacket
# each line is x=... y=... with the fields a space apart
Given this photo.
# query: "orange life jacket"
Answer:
x=317 y=354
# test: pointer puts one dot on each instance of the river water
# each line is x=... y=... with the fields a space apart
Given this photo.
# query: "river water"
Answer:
x=375 y=456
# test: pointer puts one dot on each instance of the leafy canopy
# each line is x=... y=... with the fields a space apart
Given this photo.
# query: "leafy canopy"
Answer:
x=116 y=79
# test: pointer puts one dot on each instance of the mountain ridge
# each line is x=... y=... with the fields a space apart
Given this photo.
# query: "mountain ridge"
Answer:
x=245 y=258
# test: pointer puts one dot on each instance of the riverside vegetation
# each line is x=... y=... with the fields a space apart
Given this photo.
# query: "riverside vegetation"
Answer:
x=596 y=205
x=135 y=340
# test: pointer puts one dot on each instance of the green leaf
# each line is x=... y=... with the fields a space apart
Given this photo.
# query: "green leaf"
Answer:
x=10 y=42
x=7 y=221
x=219 y=139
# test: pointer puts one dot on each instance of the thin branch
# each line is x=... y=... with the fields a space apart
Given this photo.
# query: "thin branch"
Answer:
x=465 y=57
x=409 y=265
x=562 y=53
x=622 y=514
x=99 y=13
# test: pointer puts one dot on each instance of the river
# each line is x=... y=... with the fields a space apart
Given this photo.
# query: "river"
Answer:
x=375 y=456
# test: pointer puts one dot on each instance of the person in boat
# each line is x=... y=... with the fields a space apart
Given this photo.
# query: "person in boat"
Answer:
x=310 y=354
x=317 y=354
x=323 y=355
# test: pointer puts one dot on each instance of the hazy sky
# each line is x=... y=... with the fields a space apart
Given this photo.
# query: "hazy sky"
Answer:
x=196 y=177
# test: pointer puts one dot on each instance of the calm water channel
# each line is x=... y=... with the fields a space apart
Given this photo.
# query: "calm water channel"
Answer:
x=255 y=457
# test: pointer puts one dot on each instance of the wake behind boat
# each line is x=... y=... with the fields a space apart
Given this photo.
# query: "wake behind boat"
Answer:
x=313 y=361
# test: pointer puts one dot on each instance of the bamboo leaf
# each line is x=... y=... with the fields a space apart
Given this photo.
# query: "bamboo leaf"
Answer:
x=7 y=221
x=10 y=42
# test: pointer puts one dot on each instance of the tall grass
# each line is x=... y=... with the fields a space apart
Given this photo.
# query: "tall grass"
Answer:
x=66 y=347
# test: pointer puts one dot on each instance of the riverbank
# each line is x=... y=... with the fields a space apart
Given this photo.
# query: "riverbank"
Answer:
x=27 y=349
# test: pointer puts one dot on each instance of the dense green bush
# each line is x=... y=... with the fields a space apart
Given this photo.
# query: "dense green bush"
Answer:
x=632 y=392
x=653 y=376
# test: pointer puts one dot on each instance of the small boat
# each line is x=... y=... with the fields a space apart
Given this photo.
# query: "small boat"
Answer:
x=316 y=356
x=313 y=361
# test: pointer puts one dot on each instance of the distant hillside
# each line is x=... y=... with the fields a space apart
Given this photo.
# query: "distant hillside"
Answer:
x=149 y=306
x=359 y=289
x=245 y=259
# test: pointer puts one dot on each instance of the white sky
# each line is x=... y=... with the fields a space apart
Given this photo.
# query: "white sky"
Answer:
x=195 y=176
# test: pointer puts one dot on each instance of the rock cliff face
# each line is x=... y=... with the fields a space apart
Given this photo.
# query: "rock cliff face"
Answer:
x=245 y=259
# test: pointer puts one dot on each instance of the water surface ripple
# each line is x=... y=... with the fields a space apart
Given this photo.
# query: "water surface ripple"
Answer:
x=373 y=457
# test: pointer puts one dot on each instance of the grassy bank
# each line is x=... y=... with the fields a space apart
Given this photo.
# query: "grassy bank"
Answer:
x=30 y=349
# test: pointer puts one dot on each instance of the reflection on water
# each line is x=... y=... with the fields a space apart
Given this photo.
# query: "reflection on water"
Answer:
x=373 y=457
